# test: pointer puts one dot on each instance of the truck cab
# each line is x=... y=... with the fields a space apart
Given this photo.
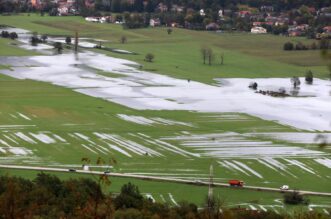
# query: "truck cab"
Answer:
x=236 y=182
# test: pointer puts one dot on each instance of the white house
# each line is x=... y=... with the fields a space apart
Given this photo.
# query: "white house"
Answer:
x=202 y=13
x=154 y=22
x=258 y=30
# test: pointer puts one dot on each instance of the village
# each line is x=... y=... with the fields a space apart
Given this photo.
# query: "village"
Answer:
x=307 y=21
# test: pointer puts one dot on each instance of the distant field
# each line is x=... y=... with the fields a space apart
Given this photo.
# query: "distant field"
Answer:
x=178 y=54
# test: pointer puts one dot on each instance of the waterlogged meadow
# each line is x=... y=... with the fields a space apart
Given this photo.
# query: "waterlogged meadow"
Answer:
x=58 y=108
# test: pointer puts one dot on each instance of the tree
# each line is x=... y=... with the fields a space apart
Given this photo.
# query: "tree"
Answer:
x=44 y=37
x=204 y=53
x=34 y=39
x=129 y=197
x=13 y=35
x=210 y=56
x=68 y=40
x=123 y=39
x=149 y=57
x=58 y=47
x=309 y=77
x=295 y=81
x=4 y=34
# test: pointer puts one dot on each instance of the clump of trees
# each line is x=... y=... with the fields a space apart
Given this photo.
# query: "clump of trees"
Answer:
x=323 y=44
x=207 y=54
x=35 y=39
x=6 y=34
x=295 y=82
x=135 y=20
x=295 y=198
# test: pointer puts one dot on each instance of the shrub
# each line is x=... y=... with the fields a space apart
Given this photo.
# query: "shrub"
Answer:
x=288 y=46
x=149 y=57
x=295 y=198
x=68 y=40
x=13 y=35
x=309 y=77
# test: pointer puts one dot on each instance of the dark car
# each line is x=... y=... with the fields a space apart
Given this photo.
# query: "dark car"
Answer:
x=72 y=170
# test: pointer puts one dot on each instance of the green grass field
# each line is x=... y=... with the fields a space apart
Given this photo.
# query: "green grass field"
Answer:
x=30 y=108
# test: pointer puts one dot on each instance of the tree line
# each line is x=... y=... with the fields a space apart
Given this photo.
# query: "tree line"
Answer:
x=47 y=196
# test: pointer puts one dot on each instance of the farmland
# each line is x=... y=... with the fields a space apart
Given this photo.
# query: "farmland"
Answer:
x=45 y=121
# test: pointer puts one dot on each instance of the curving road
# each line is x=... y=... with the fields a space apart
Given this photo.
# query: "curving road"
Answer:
x=161 y=179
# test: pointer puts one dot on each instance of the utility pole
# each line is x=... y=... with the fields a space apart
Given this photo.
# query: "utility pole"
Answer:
x=210 y=192
x=76 y=41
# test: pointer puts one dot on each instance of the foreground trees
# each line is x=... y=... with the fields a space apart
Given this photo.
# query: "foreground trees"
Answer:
x=49 y=197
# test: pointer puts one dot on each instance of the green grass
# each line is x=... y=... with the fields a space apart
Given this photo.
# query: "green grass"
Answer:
x=9 y=48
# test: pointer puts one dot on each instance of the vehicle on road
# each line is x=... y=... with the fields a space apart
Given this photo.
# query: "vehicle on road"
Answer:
x=71 y=170
x=236 y=182
x=284 y=187
x=198 y=182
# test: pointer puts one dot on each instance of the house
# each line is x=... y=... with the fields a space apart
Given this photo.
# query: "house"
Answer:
x=258 y=30
x=244 y=14
x=161 y=7
x=202 y=12
x=294 y=33
x=63 y=10
x=212 y=26
x=327 y=29
x=154 y=22
x=267 y=8
x=177 y=8
x=92 y=19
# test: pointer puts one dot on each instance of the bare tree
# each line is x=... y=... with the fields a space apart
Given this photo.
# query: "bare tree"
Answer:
x=204 y=53
x=210 y=56
x=123 y=39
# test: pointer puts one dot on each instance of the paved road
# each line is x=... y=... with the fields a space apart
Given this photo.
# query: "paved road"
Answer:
x=161 y=179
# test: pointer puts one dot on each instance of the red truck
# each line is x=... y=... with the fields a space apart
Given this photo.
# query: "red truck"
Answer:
x=235 y=182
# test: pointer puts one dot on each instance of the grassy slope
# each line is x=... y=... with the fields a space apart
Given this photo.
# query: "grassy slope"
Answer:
x=178 y=54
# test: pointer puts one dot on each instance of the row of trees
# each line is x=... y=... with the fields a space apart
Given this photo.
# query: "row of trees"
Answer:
x=11 y=35
x=323 y=44
x=47 y=196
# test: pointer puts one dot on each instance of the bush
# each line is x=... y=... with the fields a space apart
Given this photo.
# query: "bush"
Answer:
x=13 y=35
x=68 y=40
x=288 y=46
x=309 y=77
x=149 y=57
x=295 y=198
x=300 y=46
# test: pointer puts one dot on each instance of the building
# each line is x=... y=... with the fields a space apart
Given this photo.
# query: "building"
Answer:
x=154 y=22
x=258 y=30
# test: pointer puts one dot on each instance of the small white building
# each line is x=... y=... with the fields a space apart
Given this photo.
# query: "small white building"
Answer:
x=202 y=13
x=258 y=30
x=154 y=22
